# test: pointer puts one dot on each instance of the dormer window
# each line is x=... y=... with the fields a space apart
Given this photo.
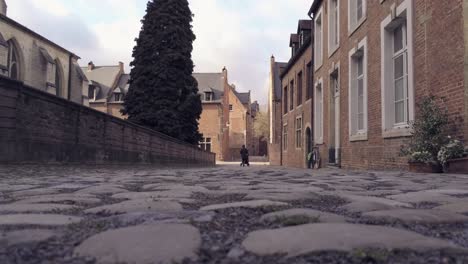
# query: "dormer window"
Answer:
x=92 y=92
x=118 y=97
x=208 y=96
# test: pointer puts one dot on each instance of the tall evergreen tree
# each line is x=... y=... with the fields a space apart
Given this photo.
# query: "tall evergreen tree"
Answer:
x=163 y=94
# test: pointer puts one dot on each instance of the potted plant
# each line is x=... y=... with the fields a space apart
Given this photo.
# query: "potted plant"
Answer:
x=453 y=157
x=428 y=137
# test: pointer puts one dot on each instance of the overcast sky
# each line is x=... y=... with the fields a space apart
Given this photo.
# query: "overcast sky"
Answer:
x=238 y=34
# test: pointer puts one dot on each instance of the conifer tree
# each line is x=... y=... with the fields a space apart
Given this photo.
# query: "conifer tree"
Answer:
x=163 y=94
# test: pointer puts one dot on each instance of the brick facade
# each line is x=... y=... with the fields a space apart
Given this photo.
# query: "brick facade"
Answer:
x=36 y=127
x=438 y=56
x=291 y=102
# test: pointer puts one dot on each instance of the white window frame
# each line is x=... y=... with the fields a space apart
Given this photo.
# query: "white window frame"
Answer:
x=298 y=129
x=318 y=41
x=355 y=132
x=332 y=47
x=285 y=137
x=205 y=142
x=353 y=23
x=403 y=14
x=318 y=120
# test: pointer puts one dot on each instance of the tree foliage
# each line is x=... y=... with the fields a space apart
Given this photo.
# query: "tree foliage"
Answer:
x=261 y=125
x=163 y=94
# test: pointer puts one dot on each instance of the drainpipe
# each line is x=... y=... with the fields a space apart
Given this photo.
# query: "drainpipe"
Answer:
x=281 y=131
x=69 y=76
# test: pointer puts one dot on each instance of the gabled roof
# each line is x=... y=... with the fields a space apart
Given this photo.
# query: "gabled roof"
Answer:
x=105 y=75
x=294 y=38
x=103 y=91
x=243 y=97
x=211 y=82
x=315 y=6
x=277 y=70
x=304 y=24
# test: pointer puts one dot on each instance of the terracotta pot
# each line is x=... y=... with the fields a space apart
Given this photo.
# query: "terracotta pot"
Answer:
x=458 y=166
x=421 y=167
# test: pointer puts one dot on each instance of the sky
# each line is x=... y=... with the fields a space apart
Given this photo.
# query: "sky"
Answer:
x=240 y=35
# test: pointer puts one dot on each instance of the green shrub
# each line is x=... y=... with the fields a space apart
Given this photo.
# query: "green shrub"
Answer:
x=452 y=150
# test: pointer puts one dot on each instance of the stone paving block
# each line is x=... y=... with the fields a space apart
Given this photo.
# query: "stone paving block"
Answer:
x=418 y=216
x=154 y=194
x=245 y=204
x=34 y=208
x=140 y=205
x=366 y=206
x=12 y=187
x=38 y=219
x=461 y=207
x=26 y=236
x=424 y=196
x=305 y=239
x=160 y=243
x=34 y=192
x=62 y=198
x=102 y=189
x=318 y=216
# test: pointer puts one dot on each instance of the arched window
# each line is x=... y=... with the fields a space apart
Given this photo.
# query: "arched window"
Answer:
x=13 y=61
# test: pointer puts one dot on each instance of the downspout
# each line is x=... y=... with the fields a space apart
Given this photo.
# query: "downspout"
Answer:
x=69 y=76
x=281 y=133
x=312 y=130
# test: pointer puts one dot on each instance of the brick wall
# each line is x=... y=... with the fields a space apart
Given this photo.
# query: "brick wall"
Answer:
x=293 y=156
x=439 y=51
x=36 y=127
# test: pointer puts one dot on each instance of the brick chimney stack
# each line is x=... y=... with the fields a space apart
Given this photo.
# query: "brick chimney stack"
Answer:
x=121 y=66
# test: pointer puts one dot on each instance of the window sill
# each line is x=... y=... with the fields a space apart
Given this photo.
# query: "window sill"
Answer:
x=318 y=66
x=358 y=137
x=397 y=132
x=332 y=50
x=357 y=26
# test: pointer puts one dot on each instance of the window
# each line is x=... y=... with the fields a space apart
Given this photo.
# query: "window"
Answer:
x=318 y=47
x=400 y=78
x=397 y=72
x=309 y=81
x=334 y=22
x=319 y=112
x=285 y=136
x=231 y=108
x=58 y=80
x=299 y=89
x=285 y=102
x=208 y=96
x=299 y=132
x=3 y=55
x=205 y=144
x=13 y=61
x=118 y=97
x=291 y=95
x=356 y=14
x=358 y=92
x=92 y=92
x=51 y=74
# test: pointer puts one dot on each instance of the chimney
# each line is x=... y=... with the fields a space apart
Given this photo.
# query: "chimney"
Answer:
x=3 y=7
x=90 y=66
x=121 y=66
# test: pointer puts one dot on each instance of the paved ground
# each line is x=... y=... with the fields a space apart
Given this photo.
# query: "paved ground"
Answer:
x=230 y=214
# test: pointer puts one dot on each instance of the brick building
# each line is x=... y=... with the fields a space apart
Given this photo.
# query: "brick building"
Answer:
x=275 y=112
x=107 y=87
x=214 y=122
x=296 y=83
x=290 y=106
x=372 y=61
x=38 y=62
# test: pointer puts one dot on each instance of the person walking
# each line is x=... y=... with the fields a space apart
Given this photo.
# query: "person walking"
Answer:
x=244 y=152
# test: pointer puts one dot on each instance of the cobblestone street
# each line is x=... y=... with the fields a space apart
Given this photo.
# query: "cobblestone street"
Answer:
x=230 y=214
